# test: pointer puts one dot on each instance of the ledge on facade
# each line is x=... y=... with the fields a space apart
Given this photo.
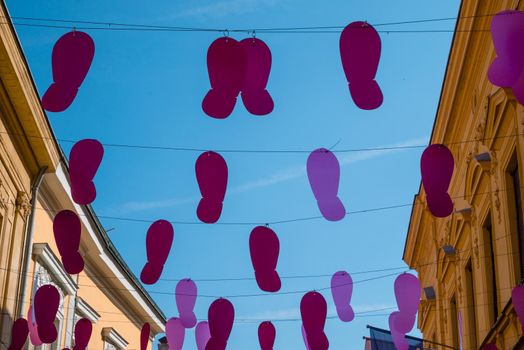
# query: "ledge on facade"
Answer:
x=506 y=316
x=85 y=310
x=110 y=335
x=45 y=257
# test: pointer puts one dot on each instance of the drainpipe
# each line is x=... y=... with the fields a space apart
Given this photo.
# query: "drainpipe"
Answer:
x=30 y=228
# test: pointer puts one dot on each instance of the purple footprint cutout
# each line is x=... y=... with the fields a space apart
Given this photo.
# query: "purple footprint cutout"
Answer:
x=264 y=248
x=159 y=239
x=47 y=300
x=19 y=334
x=266 y=335
x=83 y=330
x=84 y=160
x=175 y=333
x=360 y=48
x=436 y=165
x=342 y=289
x=202 y=335
x=323 y=171
x=313 y=310
x=67 y=231
x=407 y=293
x=211 y=173
x=185 y=297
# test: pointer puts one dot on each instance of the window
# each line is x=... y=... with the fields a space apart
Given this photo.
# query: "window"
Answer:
x=515 y=209
x=490 y=265
x=454 y=322
x=471 y=307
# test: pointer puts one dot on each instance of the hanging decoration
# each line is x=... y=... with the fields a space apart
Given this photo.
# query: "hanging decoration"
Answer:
x=33 y=329
x=399 y=339
x=47 y=300
x=436 y=166
x=313 y=309
x=407 y=293
x=145 y=332
x=185 y=297
x=264 y=248
x=517 y=299
x=226 y=66
x=211 y=174
x=490 y=346
x=19 y=334
x=341 y=290
x=221 y=315
x=71 y=59
x=360 y=48
x=84 y=160
x=175 y=333
x=83 y=330
x=507 y=70
x=304 y=336
x=202 y=335
x=266 y=335
x=159 y=239
x=323 y=172
x=67 y=231
x=256 y=98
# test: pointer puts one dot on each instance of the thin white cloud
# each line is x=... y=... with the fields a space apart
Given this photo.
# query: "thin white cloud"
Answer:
x=225 y=8
x=287 y=174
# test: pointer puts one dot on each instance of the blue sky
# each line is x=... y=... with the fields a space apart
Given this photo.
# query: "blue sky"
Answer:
x=146 y=88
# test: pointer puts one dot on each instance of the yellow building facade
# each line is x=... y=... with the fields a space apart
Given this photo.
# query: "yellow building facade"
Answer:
x=34 y=186
x=469 y=262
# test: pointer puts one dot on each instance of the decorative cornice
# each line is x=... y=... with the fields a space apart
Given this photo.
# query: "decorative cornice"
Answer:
x=85 y=310
x=110 y=335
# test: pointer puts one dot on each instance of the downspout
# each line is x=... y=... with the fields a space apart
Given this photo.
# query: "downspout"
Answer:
x=28 y=239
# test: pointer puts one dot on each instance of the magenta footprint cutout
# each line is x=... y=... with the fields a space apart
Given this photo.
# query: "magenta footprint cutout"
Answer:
x=33 y=329
x=175 y=333
x=211 y=174
x=517 y=299
x=71 y=59
x=19 y=334
x=220 y=316
x=399 y=338
x=84 y=160
x=266 y=335
x=159 y=239
x=313 y=309
x=436 y=165
x=304 y=337
x=255 y=96
x=67 y=231
x=507 y=70
x=185 y=297
x=264 y=248
x=83 y=330
x=202 y=335
x=323 y=171
x=144 y=336
x=226 y=65
x=360 y=48
x=341 y=290
x=407 y=293
x=47 y=300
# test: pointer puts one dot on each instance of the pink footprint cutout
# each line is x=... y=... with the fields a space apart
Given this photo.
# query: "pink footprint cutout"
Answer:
x=360 y=53
x=83 y=330
x=33 y=329
x=211 y=174
x=67 y=231
x=84 y=160
x=407 y=292
x=304 y=337
x=47 y=300
x=517 y=299
x=159 y=239
x=144 y=336
x=71 y=59
x=256 y=98
x=226 y=66
x=507 y=70
x=19 y=334
x=202 y=335
x=185 y=296
x=399 y=338
x=266 y=335
x=175 y=333
x=342 y=289
x=323 y=172
x=436 y=165
x=220 y=317
x=313 y=309
x=264 y=248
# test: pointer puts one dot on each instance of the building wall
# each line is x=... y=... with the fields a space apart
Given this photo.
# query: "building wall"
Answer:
x=475 y=120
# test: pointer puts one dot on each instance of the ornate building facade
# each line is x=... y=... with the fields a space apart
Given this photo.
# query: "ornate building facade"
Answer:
x=469 y=262
x=34 y=186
